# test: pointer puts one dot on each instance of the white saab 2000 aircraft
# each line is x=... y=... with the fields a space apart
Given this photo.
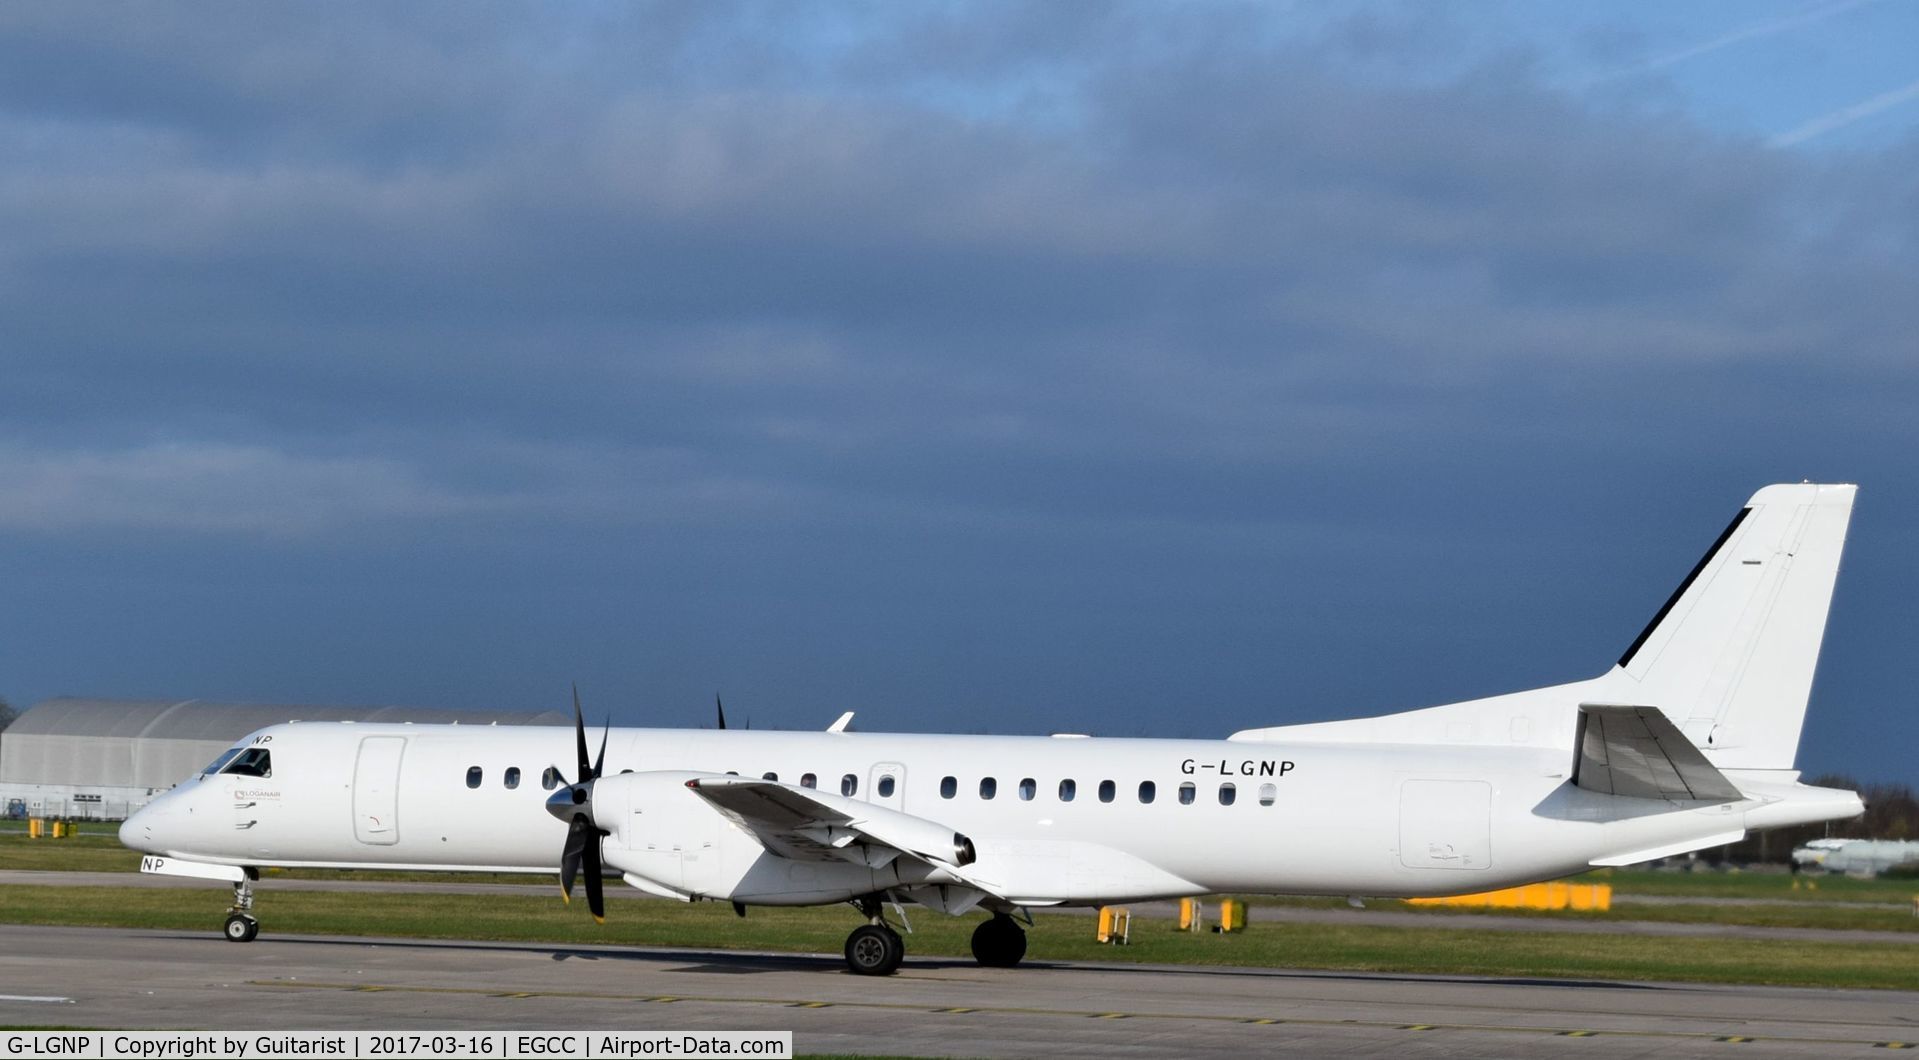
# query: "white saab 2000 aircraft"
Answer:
x=1688 y=742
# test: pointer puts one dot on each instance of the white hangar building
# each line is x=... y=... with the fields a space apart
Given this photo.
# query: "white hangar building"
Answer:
x=105 y=758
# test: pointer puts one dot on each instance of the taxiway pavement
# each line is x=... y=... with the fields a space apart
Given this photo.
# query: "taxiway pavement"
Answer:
x=934 y=1007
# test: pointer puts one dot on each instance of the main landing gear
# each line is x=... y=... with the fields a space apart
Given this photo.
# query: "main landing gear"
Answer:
x=874 y=948
x=241 y=926
x=999 y=942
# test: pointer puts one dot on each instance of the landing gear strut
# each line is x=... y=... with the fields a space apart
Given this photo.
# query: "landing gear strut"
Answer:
x=874 y=948
x=241 y=926
x=999 y=942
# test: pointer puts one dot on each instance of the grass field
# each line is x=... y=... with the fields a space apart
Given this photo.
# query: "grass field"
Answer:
x=1838 y=903
x=1356 y=947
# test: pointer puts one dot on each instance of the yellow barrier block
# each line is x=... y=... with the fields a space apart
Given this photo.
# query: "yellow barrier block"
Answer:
x=1191 y=914
x=1115 y=925
x=1602 y=896
x=1232 y=916
x=1558 y=895
x=36 y=828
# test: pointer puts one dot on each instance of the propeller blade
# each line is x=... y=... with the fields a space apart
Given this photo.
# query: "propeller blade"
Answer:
x=595 y=900
x=721 y=708
x=576 y=847
x=579 y=733
x=600 y=760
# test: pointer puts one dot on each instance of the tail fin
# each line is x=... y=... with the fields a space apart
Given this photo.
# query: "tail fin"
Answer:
x=1730 y=657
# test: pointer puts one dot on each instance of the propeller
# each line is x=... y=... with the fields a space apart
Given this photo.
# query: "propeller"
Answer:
x=573 y=804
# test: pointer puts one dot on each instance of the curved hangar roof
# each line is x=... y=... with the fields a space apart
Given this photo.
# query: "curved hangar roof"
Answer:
x=157 y=743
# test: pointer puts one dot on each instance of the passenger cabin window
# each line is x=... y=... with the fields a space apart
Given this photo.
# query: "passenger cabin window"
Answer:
x=1067 y=789
x=1268 y=794
x=1107 y=789
x=252 y=762
x=512 y=777
x=949 y=787
x=1227 y=793
x=988 y=787
x=1147 y=790
x=1028 y=788
x=473 y=777
x=808 y=780
x=1187 y=792
x=849 y=784
x=550 y=779
x=220 y=763
x=886 y=786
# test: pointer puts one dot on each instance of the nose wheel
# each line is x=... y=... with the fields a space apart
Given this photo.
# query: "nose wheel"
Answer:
x=241 y=928
x=241 y=925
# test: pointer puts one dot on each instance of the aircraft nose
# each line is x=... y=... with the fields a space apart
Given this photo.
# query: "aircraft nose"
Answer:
x=137 y=831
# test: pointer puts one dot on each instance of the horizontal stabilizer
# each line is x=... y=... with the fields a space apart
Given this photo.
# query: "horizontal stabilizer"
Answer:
x=1639 y=753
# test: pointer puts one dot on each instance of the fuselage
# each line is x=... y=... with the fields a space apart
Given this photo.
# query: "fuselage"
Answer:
x=1054 y=819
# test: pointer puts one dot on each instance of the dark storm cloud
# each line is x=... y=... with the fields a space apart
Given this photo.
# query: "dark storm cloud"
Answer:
x=1172 y=296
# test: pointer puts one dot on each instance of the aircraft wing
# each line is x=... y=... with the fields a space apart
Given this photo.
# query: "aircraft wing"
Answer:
x=809 y=825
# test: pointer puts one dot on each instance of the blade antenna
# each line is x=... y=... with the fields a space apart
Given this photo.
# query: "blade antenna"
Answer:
x=721 y=708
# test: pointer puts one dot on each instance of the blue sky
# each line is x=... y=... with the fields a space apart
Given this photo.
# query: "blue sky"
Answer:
x=1158 y=369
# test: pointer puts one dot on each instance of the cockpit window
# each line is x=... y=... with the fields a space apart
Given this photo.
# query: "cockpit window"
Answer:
x=252 y=762
x=225 y=757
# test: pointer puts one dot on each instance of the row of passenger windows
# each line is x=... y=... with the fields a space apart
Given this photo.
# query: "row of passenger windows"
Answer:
x=1108 y=791
x=949 y=787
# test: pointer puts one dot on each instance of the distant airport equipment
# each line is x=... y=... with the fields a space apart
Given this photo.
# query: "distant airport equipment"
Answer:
x=1596 y=897
x=1857 y=857
x=1115 y=925
x=1686 y=743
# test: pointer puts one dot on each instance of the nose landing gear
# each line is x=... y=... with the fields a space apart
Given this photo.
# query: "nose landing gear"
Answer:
x=241 y=925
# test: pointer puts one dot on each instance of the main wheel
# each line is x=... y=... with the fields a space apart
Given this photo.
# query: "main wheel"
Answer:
x=874 y=950
x=242 y=928
x=999 y=943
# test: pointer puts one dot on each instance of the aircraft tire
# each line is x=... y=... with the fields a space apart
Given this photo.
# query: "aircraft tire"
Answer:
x=874 y=949
x=241 y=928
x=999 y=943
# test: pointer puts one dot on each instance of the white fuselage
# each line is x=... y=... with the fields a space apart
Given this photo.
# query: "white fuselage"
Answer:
x=1307 y=818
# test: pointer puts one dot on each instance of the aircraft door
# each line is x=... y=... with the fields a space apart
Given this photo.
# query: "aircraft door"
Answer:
x=886 y=785
x=376 y=790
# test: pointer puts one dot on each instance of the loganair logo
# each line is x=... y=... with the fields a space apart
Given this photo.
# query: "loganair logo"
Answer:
x=1249 y=767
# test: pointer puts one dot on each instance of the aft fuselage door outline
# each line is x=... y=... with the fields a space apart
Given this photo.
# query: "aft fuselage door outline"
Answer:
x=376 y=790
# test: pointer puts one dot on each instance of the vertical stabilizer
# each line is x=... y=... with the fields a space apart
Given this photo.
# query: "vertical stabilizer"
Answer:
x=1730 y=657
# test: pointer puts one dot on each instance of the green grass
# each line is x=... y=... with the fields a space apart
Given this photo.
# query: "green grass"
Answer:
x=1350 y=947
x=1769 y=886
x=1824 y=907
